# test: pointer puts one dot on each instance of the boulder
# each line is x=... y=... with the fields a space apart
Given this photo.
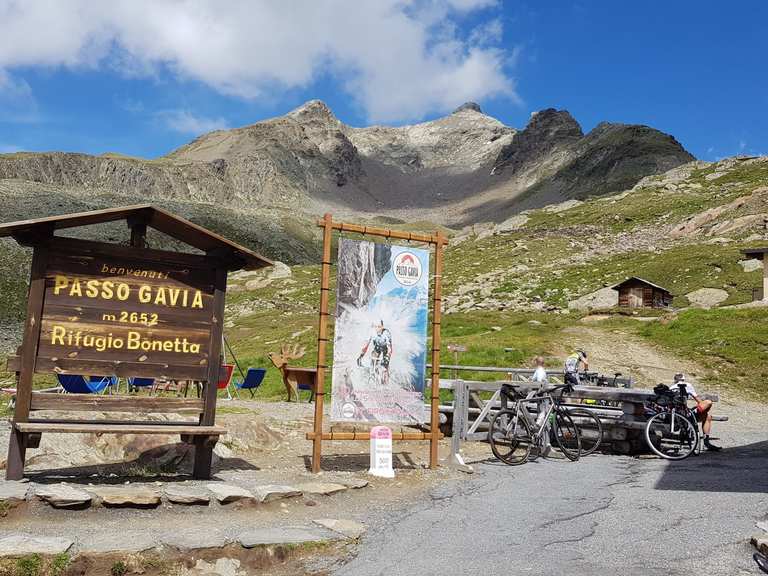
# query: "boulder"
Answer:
x=222 y=567
x=603 y=298
x=127 y=496
x=279 y=270
x=354 y=483
x=63 y=496
x=707 y=297
x=12 y=493
x=562 y=206
x=227 y=493
x=122 y=541
x=264 y=278
x=512 y=224
x=324 y=488
x=186 y=495
x=197 y=538
x=348 y=528
x=751 y=265
x=277 y=536
x=274 y=492
x=25 y=544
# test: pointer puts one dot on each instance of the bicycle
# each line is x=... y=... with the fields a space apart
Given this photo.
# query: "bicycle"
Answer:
x=374 y=371
x=672 y=431
x=590 y=429
x=513 y=432
x=589 y=425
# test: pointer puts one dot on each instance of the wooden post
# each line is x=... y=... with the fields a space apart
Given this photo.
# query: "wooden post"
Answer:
x=436 y=343
x=322 y=340
x=18 y=445
x=138 y=232
x=203 y=444
x=765 y=277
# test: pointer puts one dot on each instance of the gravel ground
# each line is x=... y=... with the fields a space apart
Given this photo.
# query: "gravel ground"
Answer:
x=603 y=515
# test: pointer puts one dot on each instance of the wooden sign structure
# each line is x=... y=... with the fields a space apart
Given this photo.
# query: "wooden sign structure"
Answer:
x=103 y=309
x=438 y=240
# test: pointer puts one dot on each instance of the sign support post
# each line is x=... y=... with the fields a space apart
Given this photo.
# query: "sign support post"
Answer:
x=322 y=341
x=436 y=321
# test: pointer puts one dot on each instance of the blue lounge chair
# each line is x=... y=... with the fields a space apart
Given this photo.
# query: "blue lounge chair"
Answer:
x=253 y=379
x=76 y=384
x=140 y=383
x=307 y=387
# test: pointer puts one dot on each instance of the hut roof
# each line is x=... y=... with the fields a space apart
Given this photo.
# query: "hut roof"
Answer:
x=157 y=218
x=758 y=253
x=638 y=279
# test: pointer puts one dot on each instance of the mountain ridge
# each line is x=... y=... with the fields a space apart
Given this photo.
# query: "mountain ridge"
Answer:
x=459 y=169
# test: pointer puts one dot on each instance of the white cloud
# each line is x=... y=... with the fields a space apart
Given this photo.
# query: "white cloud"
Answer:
x=17 y=103
x=9 y=148
x=186 y=122
x=488 y=33
x=399 y=59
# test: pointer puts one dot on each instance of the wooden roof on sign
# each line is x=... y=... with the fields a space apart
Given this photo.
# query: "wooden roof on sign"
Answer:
x=641 y=280
x=157 y=218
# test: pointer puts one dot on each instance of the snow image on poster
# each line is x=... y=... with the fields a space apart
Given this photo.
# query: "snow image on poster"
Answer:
x=380 y=343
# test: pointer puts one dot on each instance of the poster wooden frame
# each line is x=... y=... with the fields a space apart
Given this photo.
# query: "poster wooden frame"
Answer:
x=437 y=240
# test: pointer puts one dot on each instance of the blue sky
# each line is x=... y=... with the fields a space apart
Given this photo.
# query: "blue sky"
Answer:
x=143 y=77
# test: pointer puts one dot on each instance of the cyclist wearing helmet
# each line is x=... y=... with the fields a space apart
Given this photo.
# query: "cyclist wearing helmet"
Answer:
x=381 y=340
x=703 y=409
x=572 y=364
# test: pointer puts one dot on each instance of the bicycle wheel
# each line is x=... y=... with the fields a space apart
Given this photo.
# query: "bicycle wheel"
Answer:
x=510 y=437
x=567 y=434
x=590 y=429
x=671 y=435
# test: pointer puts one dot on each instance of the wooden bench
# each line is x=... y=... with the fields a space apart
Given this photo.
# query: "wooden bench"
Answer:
x=28 y=433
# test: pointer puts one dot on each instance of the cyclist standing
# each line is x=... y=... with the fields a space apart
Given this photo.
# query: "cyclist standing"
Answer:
x=381 y=340
x=573 y=362
x=703 y=409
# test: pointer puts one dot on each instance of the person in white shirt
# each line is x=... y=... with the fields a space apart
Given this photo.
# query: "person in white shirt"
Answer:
x=703 y=409
x=540 y=374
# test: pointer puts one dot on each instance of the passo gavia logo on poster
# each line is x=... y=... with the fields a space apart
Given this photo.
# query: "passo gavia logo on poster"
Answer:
x=407 y=268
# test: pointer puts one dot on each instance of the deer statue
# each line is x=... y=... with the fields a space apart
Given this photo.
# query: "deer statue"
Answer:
x=293 y=378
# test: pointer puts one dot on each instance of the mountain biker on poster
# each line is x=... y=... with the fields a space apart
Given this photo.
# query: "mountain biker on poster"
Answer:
x=381 y=340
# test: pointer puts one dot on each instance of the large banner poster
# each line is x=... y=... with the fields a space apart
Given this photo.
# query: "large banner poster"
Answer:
x=380 y=344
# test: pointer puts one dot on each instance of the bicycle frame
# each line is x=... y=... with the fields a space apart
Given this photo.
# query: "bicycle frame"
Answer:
x=522 y=412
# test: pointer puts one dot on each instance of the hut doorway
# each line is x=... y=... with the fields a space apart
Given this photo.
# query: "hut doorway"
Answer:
x=635 y=296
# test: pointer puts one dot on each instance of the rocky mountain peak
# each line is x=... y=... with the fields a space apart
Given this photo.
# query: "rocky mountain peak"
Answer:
x=553 y=124
x=468 y=107
x=313 y=111
x=548 y=130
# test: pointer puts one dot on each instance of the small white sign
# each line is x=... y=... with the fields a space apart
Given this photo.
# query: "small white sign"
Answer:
x=381 y=452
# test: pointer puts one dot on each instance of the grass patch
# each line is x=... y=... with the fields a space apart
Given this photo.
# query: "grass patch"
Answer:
x=731 y=344
x=681 y=270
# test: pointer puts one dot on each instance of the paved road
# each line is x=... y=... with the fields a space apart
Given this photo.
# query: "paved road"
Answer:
x=603 y=515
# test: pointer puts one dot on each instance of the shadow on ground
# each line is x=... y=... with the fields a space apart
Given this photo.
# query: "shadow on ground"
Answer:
x=734 y=469
x=360 y=462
